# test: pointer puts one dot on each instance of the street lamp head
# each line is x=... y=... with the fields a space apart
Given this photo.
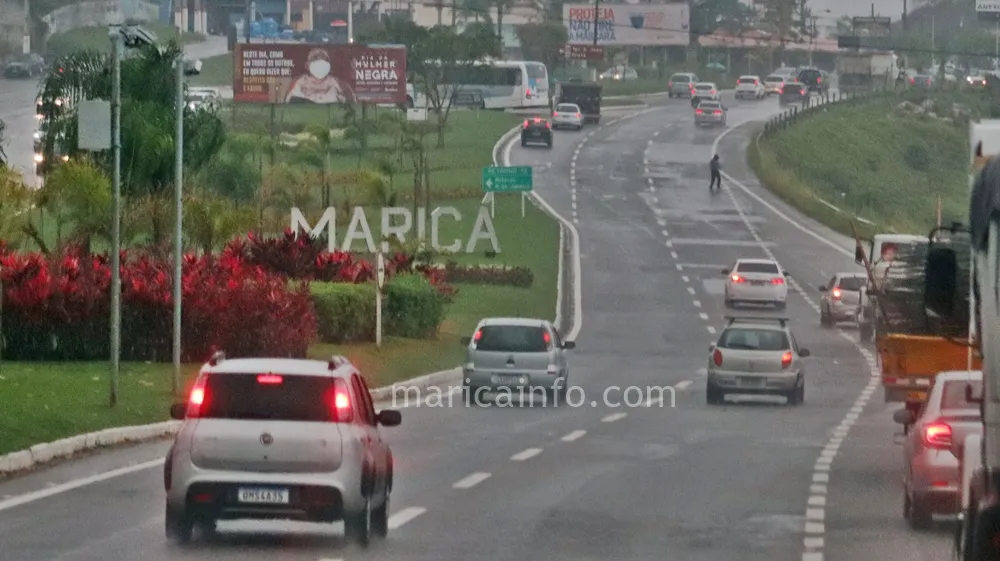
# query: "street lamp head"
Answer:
x=132 y=35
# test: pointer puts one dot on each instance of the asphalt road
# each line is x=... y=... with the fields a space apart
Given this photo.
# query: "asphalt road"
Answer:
x=686 y=483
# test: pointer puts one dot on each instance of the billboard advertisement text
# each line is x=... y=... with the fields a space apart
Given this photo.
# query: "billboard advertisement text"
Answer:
x=322 y=74
x=629 y=24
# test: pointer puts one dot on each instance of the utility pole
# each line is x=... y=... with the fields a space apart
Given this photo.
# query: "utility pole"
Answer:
x=26 y=41
x=440 y=9
x=904 y=15
x=116 y=203
x=178 y=221
x=597 y=7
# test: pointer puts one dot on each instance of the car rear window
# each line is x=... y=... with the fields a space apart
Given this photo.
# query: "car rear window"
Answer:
x=953 y=395
x=703 y=86
x=680 y=78
x=709 y=105
x=852 y=283
x=754 y=339
x=748 y=81
x=512 y=339
x=757 y=268
x=774 y=79
x=566 y=108
x=281 y=398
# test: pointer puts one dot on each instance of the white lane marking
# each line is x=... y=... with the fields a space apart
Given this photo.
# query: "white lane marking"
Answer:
x=404 y=516
x=683 y=384
x=813 y=543
x=697 y=303
x=815 y=514
x=812 y=556
x=673 y=254
x=614 y=417
x=703 y=316
x=573 y=435
x=685 y=278
x=471 y=480
x=815 y=528
x=526 y=454
x=817 y=489
x=679 y=267
x=691 y=290
x=710 y=329
x=821 y=477
x=817 y=500
x=328 y=559
x=26 y=498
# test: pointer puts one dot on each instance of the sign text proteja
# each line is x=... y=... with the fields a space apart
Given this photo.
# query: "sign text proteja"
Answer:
x=398 y=222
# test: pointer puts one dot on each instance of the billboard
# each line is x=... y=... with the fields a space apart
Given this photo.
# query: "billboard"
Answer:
x=988 y=6
x=323 y=74
x=629 y=24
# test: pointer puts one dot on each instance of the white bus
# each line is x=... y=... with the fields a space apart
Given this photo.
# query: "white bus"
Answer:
x=507 y=84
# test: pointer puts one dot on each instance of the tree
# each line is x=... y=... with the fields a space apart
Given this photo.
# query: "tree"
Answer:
x=781 y=23
x=542 y=41
x=15 y=203
x=76 y=194
x=709 y=16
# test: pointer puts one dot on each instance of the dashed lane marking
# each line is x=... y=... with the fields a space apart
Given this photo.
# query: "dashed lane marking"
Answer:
x=471 y=480
x=575 y=435
x=404 y=516
x=614 y=417
x=526 y=454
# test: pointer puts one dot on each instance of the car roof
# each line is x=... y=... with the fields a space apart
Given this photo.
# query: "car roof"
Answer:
x=284 y=366
x=851 y=275
x=767 y=261
x=705 y=84
x=688 y=74
x=758 y=326
x=778 y=76
x=513 y=321
x=566 y=103
x=751 y=76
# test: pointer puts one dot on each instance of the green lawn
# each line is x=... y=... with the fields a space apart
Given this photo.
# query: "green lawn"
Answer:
x=96 y=38
x=40 y=402
x=874 y=162
x=215 y=71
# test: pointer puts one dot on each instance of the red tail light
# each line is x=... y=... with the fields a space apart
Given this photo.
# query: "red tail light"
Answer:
x=781 y=90
x=555 y=113
x=718 y=112
x=778 y=280
x=578 y=115
x=836 y=294
x=937 y=435
x=477 y=336
x=786 y=359
x=341 y=402
x=928 y=81
x=670 y=84
x=713 y=92
x=198 y=397
x=698 y=111
x=819 y=80
x=269 y=379
x=717 y=357
x=756 y=82
x=737 y=279
x=546 y=337
x=527 y=92
x=548 y=125
x=538 y=119
x=526 y=123
x=913 y=81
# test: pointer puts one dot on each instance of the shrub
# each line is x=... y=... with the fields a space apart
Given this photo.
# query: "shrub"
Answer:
x=414 y=308
x=345 y=312
x=478 y=274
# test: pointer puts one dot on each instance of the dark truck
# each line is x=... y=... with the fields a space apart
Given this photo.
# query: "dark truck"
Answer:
x=586 y=95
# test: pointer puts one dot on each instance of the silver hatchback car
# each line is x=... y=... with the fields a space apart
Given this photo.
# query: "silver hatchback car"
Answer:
x=516 y=354
x=681 y=85
x=289 y=439
x=932 y=484
x=756 y=356
x=841 y=297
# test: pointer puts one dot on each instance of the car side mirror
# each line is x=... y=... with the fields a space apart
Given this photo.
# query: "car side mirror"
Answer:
x=569 y=345
x=859 y=255
x=711 y=347
x=786 y=273
x=804 y=353
x=389 y=418
x=466 y=341
x=725 y=271
x=178 y=411
x=973 y=393
x=822 y=289
x=904 y=417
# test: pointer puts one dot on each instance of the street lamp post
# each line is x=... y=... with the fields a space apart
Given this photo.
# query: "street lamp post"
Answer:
x=118 y=45
x=179 y=220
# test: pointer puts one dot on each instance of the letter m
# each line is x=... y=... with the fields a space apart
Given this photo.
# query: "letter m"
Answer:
x=328 y=221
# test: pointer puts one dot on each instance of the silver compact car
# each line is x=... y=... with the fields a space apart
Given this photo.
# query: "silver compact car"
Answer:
x=704 y=91
x=932 y=483
x=289 y=439
x=756 y=281
x=756 y=356
x=516 y=354
x=681 y=85
x=841 y=297
x=567 y=115
x=710 y=113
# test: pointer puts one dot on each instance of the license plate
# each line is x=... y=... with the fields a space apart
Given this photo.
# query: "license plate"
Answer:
x=267 y=496
x=508 y=379
x=750 y=382
x=758 y=283
x=921 y=396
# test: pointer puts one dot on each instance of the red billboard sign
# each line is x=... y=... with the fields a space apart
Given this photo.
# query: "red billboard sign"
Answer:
x=322 y=74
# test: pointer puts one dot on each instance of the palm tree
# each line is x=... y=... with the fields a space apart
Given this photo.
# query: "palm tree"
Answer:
x=15 y=206
x=211 y=221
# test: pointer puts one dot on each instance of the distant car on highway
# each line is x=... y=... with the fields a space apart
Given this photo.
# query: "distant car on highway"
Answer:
x=815 y=79
x=682 y=85
x=793 y=92
x=976 y=79
x=287 y=439
x=922 y=81
x=619 y=72
x=703 y=91
x=710 y=113
x=786 y=72
x=756 y=355
x=536 y=130
x=517 y=354
x=749 y=87
x=203 y=98
x=756 y=281
x=27 y=66
x=841 y=297
x=773 y=84
x=932 y=480
x=567 y=115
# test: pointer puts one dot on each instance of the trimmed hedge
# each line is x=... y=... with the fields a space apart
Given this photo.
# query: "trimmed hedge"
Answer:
x=484 y=274
x=413 y=307
x=345 y=313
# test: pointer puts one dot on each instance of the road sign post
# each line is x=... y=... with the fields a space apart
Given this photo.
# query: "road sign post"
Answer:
x=379 y=283
x=507 y=179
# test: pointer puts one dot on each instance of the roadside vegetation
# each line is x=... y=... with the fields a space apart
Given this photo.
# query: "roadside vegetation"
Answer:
x=887 y=160
x=96 y=38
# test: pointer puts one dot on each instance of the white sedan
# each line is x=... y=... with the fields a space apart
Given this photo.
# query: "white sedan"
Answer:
x=749 y=87
x=567 y=115
x=756 y=281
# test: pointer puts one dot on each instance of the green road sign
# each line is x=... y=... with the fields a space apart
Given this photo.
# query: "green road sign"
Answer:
x=507 y=179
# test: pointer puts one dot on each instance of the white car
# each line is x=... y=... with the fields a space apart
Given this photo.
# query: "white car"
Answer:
x=277 y=438
x=756 y=281
x=705 y=90
x=773 y=84
x=749 y=87
x=567 y=115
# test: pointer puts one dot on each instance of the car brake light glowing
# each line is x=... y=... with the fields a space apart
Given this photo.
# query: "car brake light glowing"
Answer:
x=546 y=337
x=548 y=125
x=341 y=401
x=670 y=84
x=718 y=112
x=269 y=379
x=578 y=115
x=713 y=92
x=778 y=280
x=538 y=119
x=737 y=279
x=698 y=111
x=781 y=90
x=526 y=123
x=786 y=359
x=717 y=357
x=819 y=80
x=527 y=92
x=836 y=294
x=477 y=336
x=937 y=435
x=913 y=81
x=756 y=82
x=555 y=113
x=197 y=396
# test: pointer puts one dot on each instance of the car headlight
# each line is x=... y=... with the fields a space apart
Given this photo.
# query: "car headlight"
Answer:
x=38 y=135
x=39 y=158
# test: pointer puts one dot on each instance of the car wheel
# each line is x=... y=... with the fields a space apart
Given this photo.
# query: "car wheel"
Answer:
x=380 y=518
x=780 y=305
x=713 y=396
x=358 y=525
x=548 y=144
x=178 y=526
x=208 y=528
x=798 y=395
x=915 y=513
x=524 y=142
x=825 y=320
x=670 y=95
x=865 y=331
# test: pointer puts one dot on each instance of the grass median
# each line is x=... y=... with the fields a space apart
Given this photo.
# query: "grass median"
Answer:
x=96 y=38
x=885 y=161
